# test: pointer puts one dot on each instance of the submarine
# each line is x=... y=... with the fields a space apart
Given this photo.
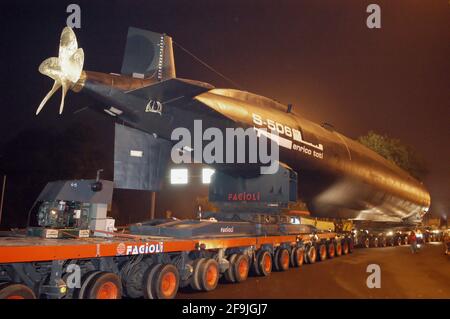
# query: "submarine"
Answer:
x=337 y=176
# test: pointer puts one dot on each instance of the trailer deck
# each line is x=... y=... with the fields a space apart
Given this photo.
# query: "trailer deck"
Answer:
x=28 y=249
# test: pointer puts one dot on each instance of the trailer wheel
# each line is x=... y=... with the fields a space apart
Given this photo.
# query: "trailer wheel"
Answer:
x=391 y=242
x=229 y=273
x=241 y=267
x=148 y=280
x=85 y=281
x=344 y=244
x=195 y=278
x=209 y=274
x=365 y=243
x=297 y=257
x=167 y=280
x=338 y=248
x=322 y=252
x=281 y=261
x=311 y=254
x=350 y=245
x=255 y=264
x=132 y=282
x=104 y=285
x=265 y=263
x=331 y=250
x=16 y=291
x=375 y=242
x=275 y=259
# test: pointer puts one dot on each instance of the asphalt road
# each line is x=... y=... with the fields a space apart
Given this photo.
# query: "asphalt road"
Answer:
x=403 y=275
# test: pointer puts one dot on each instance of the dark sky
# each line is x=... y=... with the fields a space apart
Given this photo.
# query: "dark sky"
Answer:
x=317 y=55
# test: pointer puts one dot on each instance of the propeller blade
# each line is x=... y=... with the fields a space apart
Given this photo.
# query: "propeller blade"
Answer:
x=51 y=68
x=66 y=69
x=65 y=88
x=55 y=88
x=73 y=66
x=67 y=43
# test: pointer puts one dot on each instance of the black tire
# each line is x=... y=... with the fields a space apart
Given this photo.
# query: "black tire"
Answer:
x=16 y=291
x=392 y=242
x=104 y=285
x=338 y=248
x=322 y=255
x=297 y=256
x=85 y=281
x=311 y=254
x=241 y=267
x=345 y=248
x=375 y=242
x=148 y=281
x=265 y=263
x=209 y=274
x=229 y=273
x=331 y=250
x=365 y=243
x=195 y=278
x=351 y=245
x=281 y=260
x=275 y=259
x=167 y=281
x=132 y=284
x=255 y=264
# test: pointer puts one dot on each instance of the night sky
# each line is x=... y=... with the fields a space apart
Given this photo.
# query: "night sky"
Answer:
x=317 y=55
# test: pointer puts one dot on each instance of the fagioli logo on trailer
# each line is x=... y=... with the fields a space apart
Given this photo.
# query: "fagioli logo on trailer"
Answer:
x=121 y=249
x=147 y=248
x=244 y=196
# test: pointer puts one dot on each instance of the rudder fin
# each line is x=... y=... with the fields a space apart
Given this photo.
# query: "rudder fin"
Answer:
x=148 y=55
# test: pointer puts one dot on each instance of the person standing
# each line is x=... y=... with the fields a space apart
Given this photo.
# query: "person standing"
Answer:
x=412 y=238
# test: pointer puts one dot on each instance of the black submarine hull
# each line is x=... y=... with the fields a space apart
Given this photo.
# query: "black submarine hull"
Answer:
x=338 y=177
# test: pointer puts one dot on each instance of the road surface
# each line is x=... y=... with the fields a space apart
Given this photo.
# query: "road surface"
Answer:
x=403 y=275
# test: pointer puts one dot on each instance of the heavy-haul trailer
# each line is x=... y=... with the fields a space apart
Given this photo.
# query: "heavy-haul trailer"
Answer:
x=137 y=266
x=74 y=254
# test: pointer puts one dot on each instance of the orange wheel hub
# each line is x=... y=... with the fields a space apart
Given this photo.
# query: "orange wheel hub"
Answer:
x=267 y=263
x=299 y=258
x=168 y=284
x=211 y=275
x=243 y=267
x=15 y=297
x=285 y=259
x=108 y=290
